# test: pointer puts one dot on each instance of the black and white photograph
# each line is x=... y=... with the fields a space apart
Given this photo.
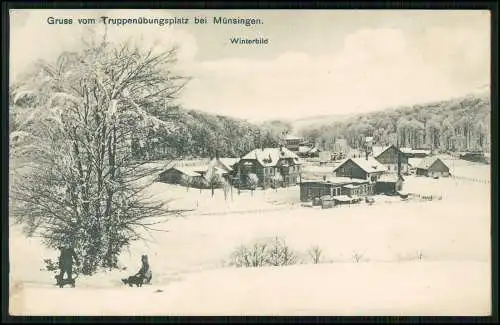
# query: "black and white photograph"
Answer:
x=249 y=162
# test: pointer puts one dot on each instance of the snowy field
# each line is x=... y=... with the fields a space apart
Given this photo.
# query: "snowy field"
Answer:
x=415 y=258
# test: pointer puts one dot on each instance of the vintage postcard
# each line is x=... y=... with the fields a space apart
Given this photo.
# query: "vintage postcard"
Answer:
x=249 y=162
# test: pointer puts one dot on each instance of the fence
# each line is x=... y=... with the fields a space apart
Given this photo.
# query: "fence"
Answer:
x=471 y=179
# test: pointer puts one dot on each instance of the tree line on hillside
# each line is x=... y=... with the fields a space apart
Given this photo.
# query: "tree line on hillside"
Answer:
x=454 y=125
x=201 y=135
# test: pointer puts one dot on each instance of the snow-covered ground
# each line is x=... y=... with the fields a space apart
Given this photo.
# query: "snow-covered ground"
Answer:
x=411 y=288
x=417 y=258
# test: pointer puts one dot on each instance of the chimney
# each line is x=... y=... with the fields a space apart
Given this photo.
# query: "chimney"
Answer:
x=366 y=154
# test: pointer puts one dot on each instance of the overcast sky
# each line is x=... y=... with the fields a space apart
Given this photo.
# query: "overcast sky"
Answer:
x=316 y=62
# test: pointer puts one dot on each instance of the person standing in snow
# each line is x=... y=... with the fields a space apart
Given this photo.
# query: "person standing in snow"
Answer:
x=66 y=257
x=145 y=271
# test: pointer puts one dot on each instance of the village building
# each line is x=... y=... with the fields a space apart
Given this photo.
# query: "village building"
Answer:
x=269 y=164
x=360 y=168
x=292 y=142
x=185 y=176
x=389 y=184
x=334 y=187
x=432 y=167
x=224 y=166
x=389 y=157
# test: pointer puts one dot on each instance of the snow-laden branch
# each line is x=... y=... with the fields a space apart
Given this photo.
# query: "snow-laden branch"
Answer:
x=145 y=116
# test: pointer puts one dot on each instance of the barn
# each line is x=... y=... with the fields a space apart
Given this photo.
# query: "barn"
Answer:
x=433 y=167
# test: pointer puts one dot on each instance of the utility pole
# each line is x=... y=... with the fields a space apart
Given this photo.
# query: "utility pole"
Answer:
x=399 y=158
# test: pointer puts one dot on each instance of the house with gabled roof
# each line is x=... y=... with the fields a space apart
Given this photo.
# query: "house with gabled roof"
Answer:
x=388 y=157
x=360 y=168
x=269 y=164
x=432 y=167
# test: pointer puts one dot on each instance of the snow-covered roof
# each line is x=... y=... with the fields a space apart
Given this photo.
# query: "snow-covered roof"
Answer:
x=292 y=137
x=227 y=162
x=216 y=170
x=414 y=162
x=421 y=151
x=304 y=149
x=270 y=156
x=406 y=150
x=428 y=162
x=386 y=148
x=189 y=171
x=369 y=165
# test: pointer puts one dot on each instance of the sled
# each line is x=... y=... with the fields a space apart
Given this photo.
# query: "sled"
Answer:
x=62 y=282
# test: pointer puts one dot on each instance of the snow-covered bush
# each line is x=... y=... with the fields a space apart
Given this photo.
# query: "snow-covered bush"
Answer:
x=264 y=252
